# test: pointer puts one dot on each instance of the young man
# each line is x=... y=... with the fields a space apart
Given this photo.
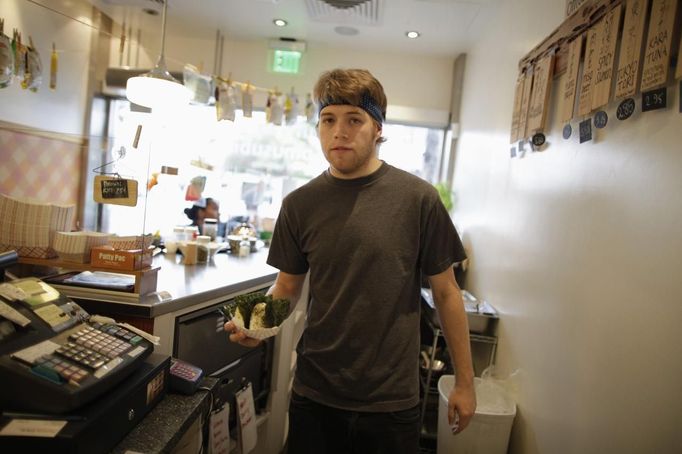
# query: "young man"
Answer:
x=365 y=231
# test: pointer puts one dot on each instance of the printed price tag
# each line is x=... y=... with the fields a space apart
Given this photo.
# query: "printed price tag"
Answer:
x=567 y=131
x=600 y=119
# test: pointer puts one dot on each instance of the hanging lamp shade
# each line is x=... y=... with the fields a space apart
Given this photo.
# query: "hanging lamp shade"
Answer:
x=157 y=88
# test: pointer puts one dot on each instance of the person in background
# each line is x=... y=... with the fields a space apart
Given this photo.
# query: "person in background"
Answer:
x=202 y=209
x=365 y=231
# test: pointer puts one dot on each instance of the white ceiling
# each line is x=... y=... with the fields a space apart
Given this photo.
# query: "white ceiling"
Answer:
x=447 y=27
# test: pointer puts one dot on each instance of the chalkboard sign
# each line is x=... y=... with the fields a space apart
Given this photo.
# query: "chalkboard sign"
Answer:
x=585 y=130
x=625 y=109
x=115 y=190
x=654 y=99
x=567 y=131
x=600 y=119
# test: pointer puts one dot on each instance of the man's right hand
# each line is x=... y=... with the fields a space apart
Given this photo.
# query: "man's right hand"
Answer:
x=239 y=337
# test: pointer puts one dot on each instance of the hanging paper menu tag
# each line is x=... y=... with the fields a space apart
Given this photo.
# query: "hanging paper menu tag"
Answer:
x=630 y=48
x=115 y=191
x=571 y=78
x=606 y=53
x=658 y=44
x=542 y=78
x=516 y=112
x=525 y=101
x=246 y=415
x=586 y=83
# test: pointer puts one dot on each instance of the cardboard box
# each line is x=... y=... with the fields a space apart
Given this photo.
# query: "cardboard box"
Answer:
x=118 y=259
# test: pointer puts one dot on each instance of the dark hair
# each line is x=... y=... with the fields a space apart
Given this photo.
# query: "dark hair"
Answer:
x=193 y=212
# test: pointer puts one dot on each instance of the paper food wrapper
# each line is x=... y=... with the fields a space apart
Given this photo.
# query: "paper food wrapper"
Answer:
x=262 y=333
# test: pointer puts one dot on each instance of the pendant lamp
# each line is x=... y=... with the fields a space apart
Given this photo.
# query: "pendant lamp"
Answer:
x=157 y=88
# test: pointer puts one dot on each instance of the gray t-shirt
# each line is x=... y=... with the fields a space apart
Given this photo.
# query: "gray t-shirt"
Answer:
x=366 y=242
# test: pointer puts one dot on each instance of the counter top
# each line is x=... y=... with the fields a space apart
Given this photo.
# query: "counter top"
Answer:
x=167 y=422
x=181 y=286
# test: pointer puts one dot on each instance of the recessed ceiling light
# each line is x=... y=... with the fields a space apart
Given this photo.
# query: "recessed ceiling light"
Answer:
x=412 y=34
x=280 y=22
x=345 y=30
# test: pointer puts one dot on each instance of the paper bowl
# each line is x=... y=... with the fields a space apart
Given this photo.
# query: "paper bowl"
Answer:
x=131 y=242
x=76 y=246
x=262 y=333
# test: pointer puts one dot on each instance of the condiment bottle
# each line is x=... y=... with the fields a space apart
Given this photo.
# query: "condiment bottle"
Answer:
x=210 y=228
x=244 y=247
x=202 y=248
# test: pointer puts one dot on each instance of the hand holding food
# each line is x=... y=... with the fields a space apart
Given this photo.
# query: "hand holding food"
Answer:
x=256 y=314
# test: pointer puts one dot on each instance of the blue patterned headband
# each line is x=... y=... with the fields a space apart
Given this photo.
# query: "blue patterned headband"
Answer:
x=367 y=104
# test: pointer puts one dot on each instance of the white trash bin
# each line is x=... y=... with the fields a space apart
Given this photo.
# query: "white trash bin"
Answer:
x=488 y=431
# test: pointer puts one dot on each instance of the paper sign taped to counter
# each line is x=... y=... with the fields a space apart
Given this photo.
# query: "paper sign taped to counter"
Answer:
x=246 y=414
x=115 y=190
x=219 y=431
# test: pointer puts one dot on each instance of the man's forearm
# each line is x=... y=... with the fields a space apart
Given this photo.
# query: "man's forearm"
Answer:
x=455 y=328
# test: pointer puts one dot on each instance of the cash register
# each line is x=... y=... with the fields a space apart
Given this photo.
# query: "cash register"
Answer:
x=60 y=364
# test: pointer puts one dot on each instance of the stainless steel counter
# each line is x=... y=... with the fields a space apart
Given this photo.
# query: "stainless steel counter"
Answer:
x=181 y=286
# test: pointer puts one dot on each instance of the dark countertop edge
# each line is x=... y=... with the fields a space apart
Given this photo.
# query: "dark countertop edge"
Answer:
x=173 y=305
x=154 y=309
x=136 y=438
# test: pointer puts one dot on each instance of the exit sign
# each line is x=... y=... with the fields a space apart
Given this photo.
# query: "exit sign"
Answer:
x=286 y=61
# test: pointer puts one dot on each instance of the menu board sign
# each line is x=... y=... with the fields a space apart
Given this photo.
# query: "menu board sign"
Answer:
x=658 y=44
x=525 y=101
x=589 y=64
x=516 y=113
x=115 y=190
x=631 y=48
x=542 y=78
x=575 y=48
x=606 y=54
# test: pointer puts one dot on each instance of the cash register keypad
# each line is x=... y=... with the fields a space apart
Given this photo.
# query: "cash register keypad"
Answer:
x=49 y=365
x=100 y=342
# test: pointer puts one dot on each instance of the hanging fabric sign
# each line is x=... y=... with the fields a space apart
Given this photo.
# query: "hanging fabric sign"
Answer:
x=658 y=44
x=537 y=110
x=606 y=53
x=571 y=79
x=630 y=48
x=585 y=103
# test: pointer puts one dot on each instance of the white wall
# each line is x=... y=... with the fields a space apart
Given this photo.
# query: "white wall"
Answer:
x=579 y=247
x=61 y=110
x=418 y=87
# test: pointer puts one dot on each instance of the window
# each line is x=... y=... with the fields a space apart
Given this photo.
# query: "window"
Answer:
x=247 y=165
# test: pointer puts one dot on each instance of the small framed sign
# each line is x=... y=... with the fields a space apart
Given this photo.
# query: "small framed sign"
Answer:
x=586 y=130
x=655 y=99
x=600 y=119
x=115 y=190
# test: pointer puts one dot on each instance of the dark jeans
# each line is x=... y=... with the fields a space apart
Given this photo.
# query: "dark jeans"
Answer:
x=318 y=429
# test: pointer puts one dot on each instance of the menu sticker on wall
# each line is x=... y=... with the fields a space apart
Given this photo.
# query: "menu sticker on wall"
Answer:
x=115 y=190
x=542 y=78
x=525 y=101
x=516 y=113
x=658 y=44
x=575 y=48
x=606 y=54
x=627 y=75
x=585 y=130
x=589 y=63
x=655 y=99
